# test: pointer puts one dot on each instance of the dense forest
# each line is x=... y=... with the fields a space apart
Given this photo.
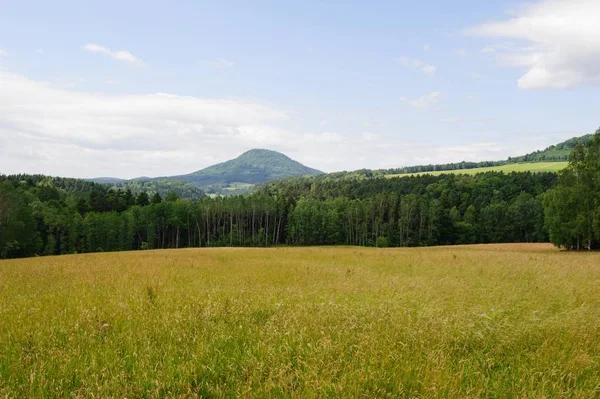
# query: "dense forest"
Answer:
x=37 y=218
x=47 y=216
x=161 y=187
x=573 y=206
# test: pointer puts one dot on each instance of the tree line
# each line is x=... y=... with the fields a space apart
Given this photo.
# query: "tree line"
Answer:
x=51 y=216
x=37 y=218
x=573 y=206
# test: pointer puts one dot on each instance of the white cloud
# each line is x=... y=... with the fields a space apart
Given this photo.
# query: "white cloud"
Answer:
x=120 y=55
x=563 y=39
x=112 y=82
x=426 y=47
x=368 y=136
x=49 y=129
x=221 y=62
x=424 y=101
x=462 y=52
x=92 y=128
x=417 y=64
x=2 y=52
x=45 y=128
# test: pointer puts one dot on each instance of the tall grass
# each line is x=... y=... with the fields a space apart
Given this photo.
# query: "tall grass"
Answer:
x=478 y=321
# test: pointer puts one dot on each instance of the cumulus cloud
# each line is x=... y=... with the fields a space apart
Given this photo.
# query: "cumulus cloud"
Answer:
x=563 y=43
x=424 y=101
x=120 y=55
x=54 y=130
x=51 y=129
x=417 y=64
x=55 y=121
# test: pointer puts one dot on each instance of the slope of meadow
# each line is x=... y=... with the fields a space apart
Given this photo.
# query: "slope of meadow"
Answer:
x=477 y=321
x=508 y=168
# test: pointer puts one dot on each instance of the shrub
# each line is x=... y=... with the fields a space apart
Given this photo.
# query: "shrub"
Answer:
x=382 y=242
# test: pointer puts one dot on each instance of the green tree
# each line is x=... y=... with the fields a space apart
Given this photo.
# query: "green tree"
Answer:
x=156 y=199
x=142 y=199
x=572 y=209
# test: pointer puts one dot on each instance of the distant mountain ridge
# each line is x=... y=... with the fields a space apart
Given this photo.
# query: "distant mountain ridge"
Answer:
x=236 y=176
x=240 y=175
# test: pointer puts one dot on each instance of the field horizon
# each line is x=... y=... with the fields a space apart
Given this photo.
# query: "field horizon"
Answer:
x=467 y=321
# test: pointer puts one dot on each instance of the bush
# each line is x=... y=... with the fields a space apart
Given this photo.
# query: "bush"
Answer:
x=382 y=242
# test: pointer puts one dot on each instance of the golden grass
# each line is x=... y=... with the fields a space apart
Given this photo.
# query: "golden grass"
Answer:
x=472 y=321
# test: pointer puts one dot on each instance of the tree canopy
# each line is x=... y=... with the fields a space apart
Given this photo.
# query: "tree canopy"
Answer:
x=573 y=207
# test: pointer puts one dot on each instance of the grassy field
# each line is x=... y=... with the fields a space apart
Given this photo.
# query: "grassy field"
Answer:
x=474 y=321
x=513 y=167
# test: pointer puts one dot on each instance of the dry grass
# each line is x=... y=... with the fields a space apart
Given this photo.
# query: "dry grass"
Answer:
x=473 y=321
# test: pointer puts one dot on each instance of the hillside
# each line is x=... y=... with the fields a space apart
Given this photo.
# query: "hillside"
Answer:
x=244 y=172
x=554 y=153
x=236 y=176
x=506 y=168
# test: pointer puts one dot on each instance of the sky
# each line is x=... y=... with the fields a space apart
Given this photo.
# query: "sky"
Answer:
x=155 y=88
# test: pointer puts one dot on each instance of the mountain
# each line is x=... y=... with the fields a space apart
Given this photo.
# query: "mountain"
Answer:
x=236 y=176
x=244 y=172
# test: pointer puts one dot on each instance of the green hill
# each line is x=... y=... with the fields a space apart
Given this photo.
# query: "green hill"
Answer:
x=506 y=168
x=555 y=153
x=241 y=174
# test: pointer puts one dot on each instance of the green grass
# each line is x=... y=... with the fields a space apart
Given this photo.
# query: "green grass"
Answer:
x=473 y=321
x=513 y=167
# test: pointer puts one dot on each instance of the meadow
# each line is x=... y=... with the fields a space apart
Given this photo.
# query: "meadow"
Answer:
x=510 y=320
x=508 y=168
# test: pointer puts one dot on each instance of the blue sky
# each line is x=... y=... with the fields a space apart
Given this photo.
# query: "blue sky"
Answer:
x=149 y=88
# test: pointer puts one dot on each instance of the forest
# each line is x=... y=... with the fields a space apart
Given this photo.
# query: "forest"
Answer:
x=40 y=215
